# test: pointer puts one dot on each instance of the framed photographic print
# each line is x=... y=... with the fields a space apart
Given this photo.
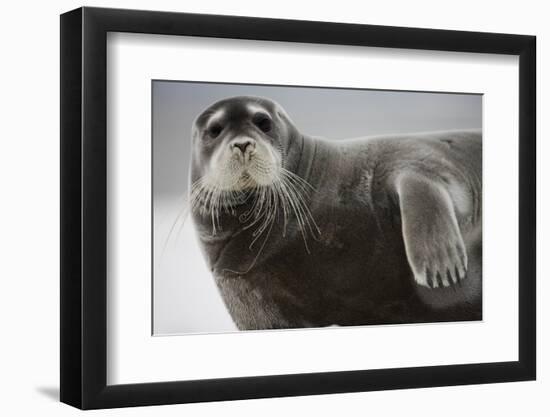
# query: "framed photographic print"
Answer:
x=257 y=207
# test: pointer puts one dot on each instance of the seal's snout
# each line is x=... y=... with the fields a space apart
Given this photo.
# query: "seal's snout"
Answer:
x=243 y=145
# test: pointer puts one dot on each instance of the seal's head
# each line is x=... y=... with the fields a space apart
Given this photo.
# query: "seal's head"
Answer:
x=245 y=154
x=239 y=143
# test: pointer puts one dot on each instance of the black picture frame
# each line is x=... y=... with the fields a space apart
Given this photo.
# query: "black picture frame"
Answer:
x=83 y=207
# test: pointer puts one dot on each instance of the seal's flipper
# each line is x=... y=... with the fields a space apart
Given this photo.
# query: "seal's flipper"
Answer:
x=433 y=241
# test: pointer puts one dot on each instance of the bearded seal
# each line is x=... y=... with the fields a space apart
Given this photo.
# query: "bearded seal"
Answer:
x=306 y=232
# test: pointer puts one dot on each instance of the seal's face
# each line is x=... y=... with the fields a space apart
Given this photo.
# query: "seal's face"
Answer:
x=240 y=148
x=238 y=142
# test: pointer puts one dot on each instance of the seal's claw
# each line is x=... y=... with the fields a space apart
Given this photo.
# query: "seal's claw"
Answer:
x=421 y=277
x=441 y=270
x=453 y=279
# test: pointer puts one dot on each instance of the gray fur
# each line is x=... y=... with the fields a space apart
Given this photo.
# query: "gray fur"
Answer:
x=392 y=212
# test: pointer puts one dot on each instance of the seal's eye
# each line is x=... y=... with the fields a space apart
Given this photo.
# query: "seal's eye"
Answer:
x=262 y=122
x=215 y=129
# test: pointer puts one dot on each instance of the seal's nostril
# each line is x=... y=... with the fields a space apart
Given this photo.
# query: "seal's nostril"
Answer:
x=242 y=145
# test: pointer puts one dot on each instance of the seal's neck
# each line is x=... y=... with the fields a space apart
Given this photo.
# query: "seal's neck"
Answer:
x=300 y=156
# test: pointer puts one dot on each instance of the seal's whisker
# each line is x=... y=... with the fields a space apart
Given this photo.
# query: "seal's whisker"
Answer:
x=257 y=255
x=315 y=231
x=299 y=179
x=295 y=198
x=303 y=214
x=294 y=202
x=266 y=214
x=269 y=220
x=284 y=204
x=186 y=207
x=288 y=194
x=256 y=210
x=182 y=214
x=298 y=184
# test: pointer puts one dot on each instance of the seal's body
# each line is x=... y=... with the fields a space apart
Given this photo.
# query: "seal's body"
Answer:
x=382 y=229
